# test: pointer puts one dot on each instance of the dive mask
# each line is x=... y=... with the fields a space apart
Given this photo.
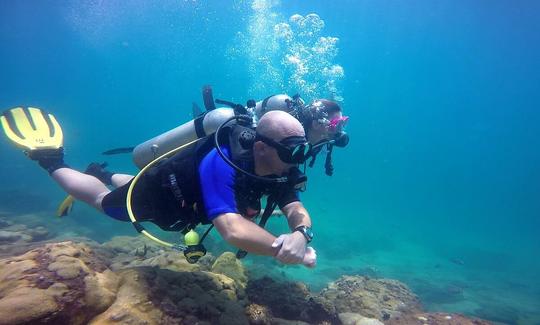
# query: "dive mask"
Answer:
x=291 y=150
x=337 y=124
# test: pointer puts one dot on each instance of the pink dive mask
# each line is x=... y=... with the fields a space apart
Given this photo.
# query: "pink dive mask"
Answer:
x=337 y=124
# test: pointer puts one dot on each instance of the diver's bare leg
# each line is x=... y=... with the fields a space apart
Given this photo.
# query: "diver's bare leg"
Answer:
x=81 y=186
x=120 y=179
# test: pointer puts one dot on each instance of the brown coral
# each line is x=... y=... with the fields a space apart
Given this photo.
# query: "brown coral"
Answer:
x=289 y=300
x=62 y=282
x=155 y=296
x=376 y=298
x=436 y=319
x=259 y=315
x=229 y=265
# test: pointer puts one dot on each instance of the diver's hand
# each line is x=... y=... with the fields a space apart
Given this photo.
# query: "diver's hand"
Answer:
x=292 y=248
x=310 y=258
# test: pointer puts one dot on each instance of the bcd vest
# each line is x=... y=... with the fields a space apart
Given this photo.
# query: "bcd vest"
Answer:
x=173 y=189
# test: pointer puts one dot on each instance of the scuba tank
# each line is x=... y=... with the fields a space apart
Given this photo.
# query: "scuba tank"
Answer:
x=280 y=102
x=201 y=126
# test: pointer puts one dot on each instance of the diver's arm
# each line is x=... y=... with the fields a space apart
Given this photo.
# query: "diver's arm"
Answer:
x=296 y=215
x=245 y=234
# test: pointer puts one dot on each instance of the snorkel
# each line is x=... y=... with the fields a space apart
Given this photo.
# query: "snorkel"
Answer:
x=340 y=140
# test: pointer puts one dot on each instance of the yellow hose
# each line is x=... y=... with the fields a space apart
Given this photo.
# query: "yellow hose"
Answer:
x=132 y=186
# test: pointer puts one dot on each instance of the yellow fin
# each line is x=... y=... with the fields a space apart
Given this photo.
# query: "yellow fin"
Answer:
x=66 y=206
x=32 y=128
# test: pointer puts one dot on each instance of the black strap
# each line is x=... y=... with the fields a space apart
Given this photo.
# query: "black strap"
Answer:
x=329 y=168
x=271 y=205
x=264 y=103
x=208 y=98
x=199 y=127
x=205 y=234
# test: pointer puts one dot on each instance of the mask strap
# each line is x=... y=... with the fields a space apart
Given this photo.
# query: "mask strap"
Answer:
x=265 y=103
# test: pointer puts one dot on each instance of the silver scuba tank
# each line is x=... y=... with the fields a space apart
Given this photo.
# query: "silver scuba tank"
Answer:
x=199 y=127
x=272 y=103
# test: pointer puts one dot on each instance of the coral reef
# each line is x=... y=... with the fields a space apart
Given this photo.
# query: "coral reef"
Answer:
x=349 y=300
x=149 y=295
x=230 y=266
x=130 y=280
x=72 y=283
x=17 y=238
x=285 y=300
x=57 y=283
x=377 y=298
x=437 y=319
x=259 y=315
x=357 y=319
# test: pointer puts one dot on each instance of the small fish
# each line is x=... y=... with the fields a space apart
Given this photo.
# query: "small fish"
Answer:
x=457 y=261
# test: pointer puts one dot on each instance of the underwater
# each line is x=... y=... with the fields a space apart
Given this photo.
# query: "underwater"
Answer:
x=431 y=214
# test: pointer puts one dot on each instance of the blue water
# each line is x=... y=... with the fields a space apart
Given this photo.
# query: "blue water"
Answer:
x=439 y=186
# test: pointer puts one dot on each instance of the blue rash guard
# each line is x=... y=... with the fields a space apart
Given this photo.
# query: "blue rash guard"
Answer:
x=217 y=178
x=220 y=191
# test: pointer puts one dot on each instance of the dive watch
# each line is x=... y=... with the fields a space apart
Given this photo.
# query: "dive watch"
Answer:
x=306 y=231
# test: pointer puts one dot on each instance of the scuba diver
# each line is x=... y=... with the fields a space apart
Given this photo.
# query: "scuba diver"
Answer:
x=216 y=179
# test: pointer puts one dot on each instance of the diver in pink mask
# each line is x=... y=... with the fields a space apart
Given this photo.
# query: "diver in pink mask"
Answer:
x=323 y=120
x=324 y=123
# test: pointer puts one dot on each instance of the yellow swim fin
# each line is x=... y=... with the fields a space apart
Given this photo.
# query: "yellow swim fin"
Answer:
x=66 y=206
x=32 y=128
